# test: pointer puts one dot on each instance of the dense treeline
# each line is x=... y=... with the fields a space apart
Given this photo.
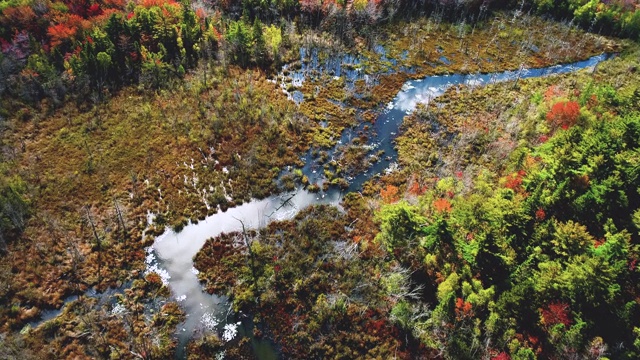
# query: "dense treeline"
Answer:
x=619 y=17
x=550 y=256
x=51 y=49
x=540 y=261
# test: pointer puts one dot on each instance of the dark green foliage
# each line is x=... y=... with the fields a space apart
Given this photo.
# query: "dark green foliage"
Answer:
x=240 y=39
x=400 y=225
x=14 y=208
x=546 y=257
x=591 y=174
x=260 y=46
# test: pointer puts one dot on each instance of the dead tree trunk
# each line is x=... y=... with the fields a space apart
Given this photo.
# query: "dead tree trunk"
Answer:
x=120 y=219
x=254 y=276
x=98 y=243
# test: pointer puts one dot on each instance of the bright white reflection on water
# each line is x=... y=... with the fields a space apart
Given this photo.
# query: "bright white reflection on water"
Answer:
x=174 y=253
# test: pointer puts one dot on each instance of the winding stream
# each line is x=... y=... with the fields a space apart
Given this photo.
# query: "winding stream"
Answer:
x=172 y=253
x=175 y=251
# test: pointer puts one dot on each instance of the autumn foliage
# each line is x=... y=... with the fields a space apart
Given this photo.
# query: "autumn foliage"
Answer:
x=464 y=309
x=389 y=194
x=60 y=33
x=442 y=205
x=563 y=114
x=552 y=92
x=514 y=181
x=501 y=356
x=555 y=313
x=415 y=188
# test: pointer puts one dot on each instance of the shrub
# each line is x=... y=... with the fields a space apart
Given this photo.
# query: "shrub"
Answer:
x=563 y=114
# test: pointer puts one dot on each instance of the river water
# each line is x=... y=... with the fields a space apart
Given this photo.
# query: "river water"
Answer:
x=172 y=253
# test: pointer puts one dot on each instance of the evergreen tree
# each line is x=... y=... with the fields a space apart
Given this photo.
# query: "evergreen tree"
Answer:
x=260 y=46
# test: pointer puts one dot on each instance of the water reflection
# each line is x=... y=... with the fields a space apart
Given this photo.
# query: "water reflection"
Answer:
x=174 y=252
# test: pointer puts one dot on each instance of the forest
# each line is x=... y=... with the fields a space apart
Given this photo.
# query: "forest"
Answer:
x=311 y=179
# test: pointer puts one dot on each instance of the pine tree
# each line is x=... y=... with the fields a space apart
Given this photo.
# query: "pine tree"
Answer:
x=260 y=46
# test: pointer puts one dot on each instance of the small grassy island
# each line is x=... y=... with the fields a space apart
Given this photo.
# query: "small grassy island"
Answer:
x=357 y=179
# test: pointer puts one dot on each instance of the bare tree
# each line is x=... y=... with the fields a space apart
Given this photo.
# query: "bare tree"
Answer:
x=120 y=219
x=97 y=240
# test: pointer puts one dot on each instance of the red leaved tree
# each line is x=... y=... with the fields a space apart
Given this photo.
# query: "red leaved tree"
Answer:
x=514 y=181
x=556 y=313
x=60 y=33
x=563 y=114
x=66 y=29
x=464 y=309
x=94 y=10
x=502 y=356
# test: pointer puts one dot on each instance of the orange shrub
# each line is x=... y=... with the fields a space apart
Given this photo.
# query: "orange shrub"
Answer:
x=514 y=181
x=442 y=205
x=389 y=194
x=463 y=309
